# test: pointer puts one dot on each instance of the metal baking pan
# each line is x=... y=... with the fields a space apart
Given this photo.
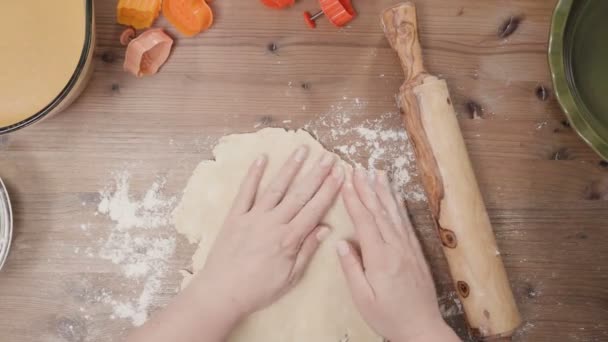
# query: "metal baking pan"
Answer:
x=6 y=224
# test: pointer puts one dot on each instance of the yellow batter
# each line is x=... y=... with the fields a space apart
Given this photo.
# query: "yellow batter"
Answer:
x=42 y=42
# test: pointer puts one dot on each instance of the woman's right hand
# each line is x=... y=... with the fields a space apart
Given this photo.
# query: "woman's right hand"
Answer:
x=389 y=279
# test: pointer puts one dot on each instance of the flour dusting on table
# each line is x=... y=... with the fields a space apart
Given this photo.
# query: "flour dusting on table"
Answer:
x=450 y=305
x=139 y=241
x=379 y=143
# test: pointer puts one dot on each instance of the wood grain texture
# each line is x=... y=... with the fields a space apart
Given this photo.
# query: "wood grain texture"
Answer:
x=453 y=195
x=546 y=191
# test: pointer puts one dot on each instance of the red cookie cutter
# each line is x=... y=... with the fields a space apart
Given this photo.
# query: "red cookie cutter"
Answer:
x=338 y=12
x=277 y=4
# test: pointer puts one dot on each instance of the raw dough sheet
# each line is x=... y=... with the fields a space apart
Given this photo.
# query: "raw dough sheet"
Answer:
x=319 y=308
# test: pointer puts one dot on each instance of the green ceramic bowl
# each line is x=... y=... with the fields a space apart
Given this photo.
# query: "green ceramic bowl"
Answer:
x=578 y=57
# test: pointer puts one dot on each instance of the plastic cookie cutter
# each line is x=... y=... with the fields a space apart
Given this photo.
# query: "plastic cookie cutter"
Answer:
x=338 y=12
x=278 y=4
x=190 y=17
x=137 y=13
x=146 y=53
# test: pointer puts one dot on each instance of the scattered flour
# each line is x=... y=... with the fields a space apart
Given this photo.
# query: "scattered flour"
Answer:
x=137 y=244
x=371 y=144
x=540 y=125
x=522 y=331
x=450 y=305
x=120 y=208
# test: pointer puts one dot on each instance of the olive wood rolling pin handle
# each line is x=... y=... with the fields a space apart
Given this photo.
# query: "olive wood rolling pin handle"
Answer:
x=452 y=190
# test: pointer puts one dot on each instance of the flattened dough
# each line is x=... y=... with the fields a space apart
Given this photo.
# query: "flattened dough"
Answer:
x=320 y=308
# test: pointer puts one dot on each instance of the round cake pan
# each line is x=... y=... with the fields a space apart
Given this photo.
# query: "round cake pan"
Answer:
x=578 y=57
x=73 y=86
x=6 y=224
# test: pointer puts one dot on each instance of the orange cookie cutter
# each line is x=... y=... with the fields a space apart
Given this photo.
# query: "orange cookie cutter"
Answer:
x=278 y=4
x=136 y=13
x=189 y=17
x=338 y=12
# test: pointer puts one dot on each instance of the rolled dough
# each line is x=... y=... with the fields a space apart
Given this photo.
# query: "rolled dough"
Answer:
x=320 y=308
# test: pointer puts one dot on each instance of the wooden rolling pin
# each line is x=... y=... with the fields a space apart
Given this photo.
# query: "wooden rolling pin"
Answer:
x=456 y=203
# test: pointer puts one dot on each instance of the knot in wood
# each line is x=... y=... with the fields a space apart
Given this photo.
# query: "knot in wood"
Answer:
x=542 y=93
x=509 y=26
x=463 y=288
x=448 y=238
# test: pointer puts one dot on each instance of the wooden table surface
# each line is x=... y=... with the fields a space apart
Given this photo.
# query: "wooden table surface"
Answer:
x=546 y=191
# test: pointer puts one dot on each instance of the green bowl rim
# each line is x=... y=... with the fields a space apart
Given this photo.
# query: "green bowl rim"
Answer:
x=86 y=50
x=561 y=86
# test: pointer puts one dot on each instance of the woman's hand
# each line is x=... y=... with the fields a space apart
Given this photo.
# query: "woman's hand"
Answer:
x=267 y=240
x=390 y=280
x=269 y=237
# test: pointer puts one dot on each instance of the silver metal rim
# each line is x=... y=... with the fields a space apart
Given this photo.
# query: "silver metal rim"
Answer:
x=6 y=224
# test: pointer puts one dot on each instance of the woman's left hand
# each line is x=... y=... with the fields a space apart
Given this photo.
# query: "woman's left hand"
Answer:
x=263 y=249
x=269 y=237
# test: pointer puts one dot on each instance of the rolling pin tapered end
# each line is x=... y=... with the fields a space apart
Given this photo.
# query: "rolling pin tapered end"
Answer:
x=401 y=30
